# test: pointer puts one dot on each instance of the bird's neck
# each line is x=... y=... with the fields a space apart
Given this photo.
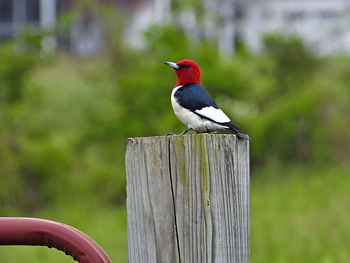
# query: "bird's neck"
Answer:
x=186 y=82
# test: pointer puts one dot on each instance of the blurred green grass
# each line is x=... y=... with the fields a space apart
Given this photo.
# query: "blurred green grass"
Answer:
x=303 y=217
x=300 y=217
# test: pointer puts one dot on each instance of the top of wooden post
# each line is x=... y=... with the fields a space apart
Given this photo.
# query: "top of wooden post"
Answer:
x=205 y=136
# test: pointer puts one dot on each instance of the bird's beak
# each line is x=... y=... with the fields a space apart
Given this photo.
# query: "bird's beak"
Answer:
x=172 y=64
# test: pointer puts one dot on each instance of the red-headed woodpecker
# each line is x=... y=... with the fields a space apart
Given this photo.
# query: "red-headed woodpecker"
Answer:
x=193 y=105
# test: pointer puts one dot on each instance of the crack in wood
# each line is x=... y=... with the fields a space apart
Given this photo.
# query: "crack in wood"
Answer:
x=174 y=203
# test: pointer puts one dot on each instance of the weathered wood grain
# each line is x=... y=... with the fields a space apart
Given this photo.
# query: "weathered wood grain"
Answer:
x=150 y=208
x=188 y=199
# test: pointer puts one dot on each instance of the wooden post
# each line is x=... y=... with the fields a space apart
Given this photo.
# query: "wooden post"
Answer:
x=188 y=199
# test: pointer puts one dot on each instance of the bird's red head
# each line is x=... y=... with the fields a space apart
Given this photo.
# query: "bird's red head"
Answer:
x=186 y=71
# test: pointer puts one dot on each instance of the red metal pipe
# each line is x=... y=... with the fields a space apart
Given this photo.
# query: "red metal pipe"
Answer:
x=41 y=232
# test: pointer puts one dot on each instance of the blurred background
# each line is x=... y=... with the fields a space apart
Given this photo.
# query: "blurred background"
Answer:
x=77 y=78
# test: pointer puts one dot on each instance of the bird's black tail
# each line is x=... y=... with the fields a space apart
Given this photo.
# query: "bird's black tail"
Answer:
x=236 y=130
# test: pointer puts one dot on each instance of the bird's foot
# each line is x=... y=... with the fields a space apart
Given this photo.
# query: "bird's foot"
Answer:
x=184 y=132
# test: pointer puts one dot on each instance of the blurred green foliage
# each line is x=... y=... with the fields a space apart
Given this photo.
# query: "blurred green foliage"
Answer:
x=14 y=66
x=294 y=62
x=64 y=123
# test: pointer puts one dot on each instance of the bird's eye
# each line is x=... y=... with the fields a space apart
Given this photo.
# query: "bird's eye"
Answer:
x=186 y=66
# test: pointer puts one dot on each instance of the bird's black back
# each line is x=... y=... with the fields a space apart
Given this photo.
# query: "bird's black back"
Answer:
x=194 y=97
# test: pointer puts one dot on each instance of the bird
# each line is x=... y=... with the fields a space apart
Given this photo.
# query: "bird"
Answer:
x=193 y=105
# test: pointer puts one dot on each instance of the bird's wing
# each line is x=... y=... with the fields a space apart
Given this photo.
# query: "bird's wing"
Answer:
x=195 y=98
x=213 y=114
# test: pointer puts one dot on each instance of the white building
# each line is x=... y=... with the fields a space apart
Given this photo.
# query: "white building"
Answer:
x=324 y=25
x=14 y=14
x=85 y=36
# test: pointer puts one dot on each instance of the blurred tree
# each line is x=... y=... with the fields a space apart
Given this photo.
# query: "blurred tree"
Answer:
x=15 y=65
x=294 y=62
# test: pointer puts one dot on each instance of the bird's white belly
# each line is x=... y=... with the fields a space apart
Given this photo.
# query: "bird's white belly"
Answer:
x=192 y=120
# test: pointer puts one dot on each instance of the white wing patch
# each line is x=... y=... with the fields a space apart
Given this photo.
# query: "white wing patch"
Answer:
x=211 y=113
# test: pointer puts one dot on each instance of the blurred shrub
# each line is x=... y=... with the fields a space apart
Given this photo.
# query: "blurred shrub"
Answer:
x=294 y=62
x=290 y=109
x=19 y=57
x=15 y=65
